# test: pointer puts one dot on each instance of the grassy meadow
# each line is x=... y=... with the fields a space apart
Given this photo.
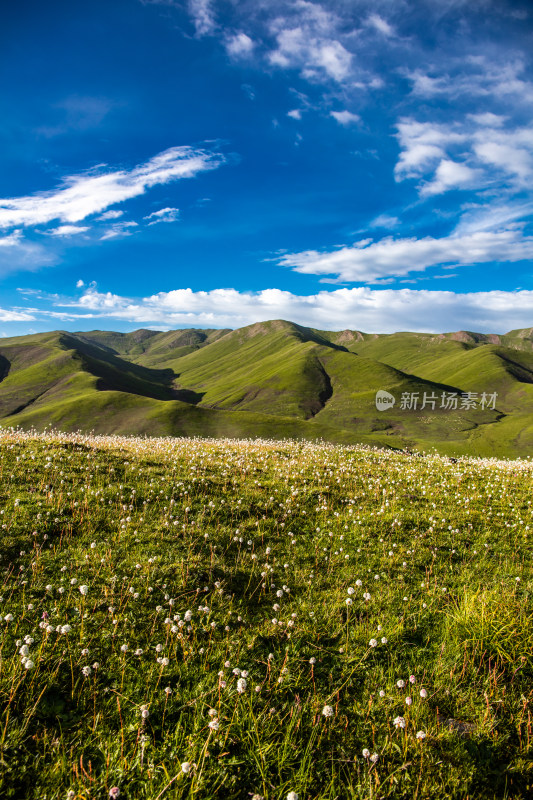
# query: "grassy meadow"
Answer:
x=202 y=618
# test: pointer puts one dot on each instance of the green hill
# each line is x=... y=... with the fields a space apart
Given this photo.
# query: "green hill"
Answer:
x=277 y=379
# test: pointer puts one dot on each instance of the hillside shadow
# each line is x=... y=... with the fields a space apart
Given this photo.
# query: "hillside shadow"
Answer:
x=5 y=366
x=114 y=373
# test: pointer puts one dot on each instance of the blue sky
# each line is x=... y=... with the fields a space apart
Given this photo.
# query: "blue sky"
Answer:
x=361 y=164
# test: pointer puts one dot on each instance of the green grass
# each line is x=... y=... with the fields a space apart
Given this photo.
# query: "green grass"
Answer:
x=230 y=560
x=274 y=379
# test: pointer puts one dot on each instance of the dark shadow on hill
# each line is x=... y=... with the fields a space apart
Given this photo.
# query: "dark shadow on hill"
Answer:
x=325 y=393
x=114 y=373
x=24 y=406
x=309 y=335
x=188 y=396
x=5 y=366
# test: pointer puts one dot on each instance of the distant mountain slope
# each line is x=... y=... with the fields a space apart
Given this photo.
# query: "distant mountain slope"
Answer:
x=275 y=379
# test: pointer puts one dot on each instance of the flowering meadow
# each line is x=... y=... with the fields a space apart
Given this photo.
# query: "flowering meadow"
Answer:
x=186 y=618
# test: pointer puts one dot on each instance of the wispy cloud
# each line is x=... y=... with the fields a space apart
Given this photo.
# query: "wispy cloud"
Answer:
x=163 y=215
x=67 y=230
x=119 y=229
x=380 y=24
x=12 y=240
x=385 y=221
x=17 y=253
x=11 y=315
x=202 y=14
x=368 y=261
x=80 y=196
x=77 y=113
x=372 y=310
x=112 y=214
x=474 y=77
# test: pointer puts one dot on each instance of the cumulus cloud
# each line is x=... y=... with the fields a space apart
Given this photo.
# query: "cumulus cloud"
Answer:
x=80 y=196
x=467 y=154
x=307 y=38
x=372 y=310
x=345 y=117
x=239 y=45
x=163 y=215
x=313 y=56
x=423 y=144
x=450 y=175
x=368 y=261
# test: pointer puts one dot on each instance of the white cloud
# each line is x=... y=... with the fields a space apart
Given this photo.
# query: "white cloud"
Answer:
x=385 y=221
x=488 y=119
x=466 y=154
x=381 y=25
x=202 y=13
x=450 y=175
x=423 y=144
x=80 y=284
x=112 y=214
x=67 y=230
x=118 y=229
x=163 y=215
x=372 y=310
x=295 y=113
x=79 y=196
x=510 y=152
x=474 y=77
x=345 y=117
x=11 y=315
x=477 y=217
x=12 y=240
x=368 y=261
x=239 y=45
x=307 y=39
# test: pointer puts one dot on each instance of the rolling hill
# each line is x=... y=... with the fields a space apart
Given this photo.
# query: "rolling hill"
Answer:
x=277 y=379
